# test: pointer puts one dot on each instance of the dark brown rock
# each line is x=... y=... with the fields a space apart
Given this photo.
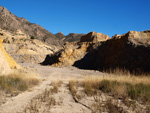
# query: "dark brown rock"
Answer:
x=130 y=51
x=73 y=37
x=60 y=35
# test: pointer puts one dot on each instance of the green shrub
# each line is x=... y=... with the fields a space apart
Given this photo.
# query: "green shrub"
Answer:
x=14 y=82
x=9 y=84
x=108 y=86
x=139 y=91
x=32 y=37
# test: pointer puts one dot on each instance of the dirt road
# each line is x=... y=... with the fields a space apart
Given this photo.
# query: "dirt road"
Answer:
x=46 y=98
x=48 y=74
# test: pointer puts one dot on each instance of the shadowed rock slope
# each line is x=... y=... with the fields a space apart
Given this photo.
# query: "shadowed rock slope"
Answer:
x=14 y=24
x=129 y=51
x=71 y=37
x=60 y=36
x=75 y=50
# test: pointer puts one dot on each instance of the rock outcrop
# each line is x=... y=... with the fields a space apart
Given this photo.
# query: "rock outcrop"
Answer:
x=24 y=49
x=94 y=37
x=13 y=24
x=72 y=52
x=7 y=63
x=129 y=51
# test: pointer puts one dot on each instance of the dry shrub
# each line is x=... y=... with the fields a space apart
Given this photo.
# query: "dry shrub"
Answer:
x=112 y=107
x=41 y=103
x=134 y=87
x=56 y=85
x=72 y=87
x=139 y=91
x=119 y=71
x=120 y=91
x=92 y=81
x=18 y=80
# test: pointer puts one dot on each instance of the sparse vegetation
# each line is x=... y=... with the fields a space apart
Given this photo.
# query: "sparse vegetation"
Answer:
x=45 y=99
x=139 y=91
x=32 y=37
x=56 y=85
x=72 y=87
x=113 y=107
x=118 y=86
x=17 y=82
x=43 y=102
x=91 y=86
x=130 y=89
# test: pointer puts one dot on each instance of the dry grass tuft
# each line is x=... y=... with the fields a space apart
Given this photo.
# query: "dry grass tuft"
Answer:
x=55 y=86
x=112 y=107
x=134 y=87
x=42 y=103
x=18 y=80
x=72 y=87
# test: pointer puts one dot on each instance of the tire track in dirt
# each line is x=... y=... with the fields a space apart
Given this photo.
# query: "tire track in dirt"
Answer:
x=18 y=103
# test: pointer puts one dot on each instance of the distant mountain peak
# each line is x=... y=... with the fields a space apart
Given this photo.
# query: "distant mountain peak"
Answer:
x=61 y=33
x=1 y=7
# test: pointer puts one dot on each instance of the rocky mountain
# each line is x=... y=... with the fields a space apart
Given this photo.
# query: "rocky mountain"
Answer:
x=24 y=49
x=74 y=51
x=60 y=36
x=129 y=51
x=7 y=63
x=15 y=25
x=71 y=37
x=28 y=42
x=96 y=51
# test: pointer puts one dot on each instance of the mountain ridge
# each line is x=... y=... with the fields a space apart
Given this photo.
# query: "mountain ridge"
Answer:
x=12 y=23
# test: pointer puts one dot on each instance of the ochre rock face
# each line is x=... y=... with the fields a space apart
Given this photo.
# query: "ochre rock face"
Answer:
x=67 y=56
x=72 y=54
x=94 y=37
x=74 y=51
x=130 y=51
x=6 y=61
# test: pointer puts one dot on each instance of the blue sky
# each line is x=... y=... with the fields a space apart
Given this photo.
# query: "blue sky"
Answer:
x=82 y=16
